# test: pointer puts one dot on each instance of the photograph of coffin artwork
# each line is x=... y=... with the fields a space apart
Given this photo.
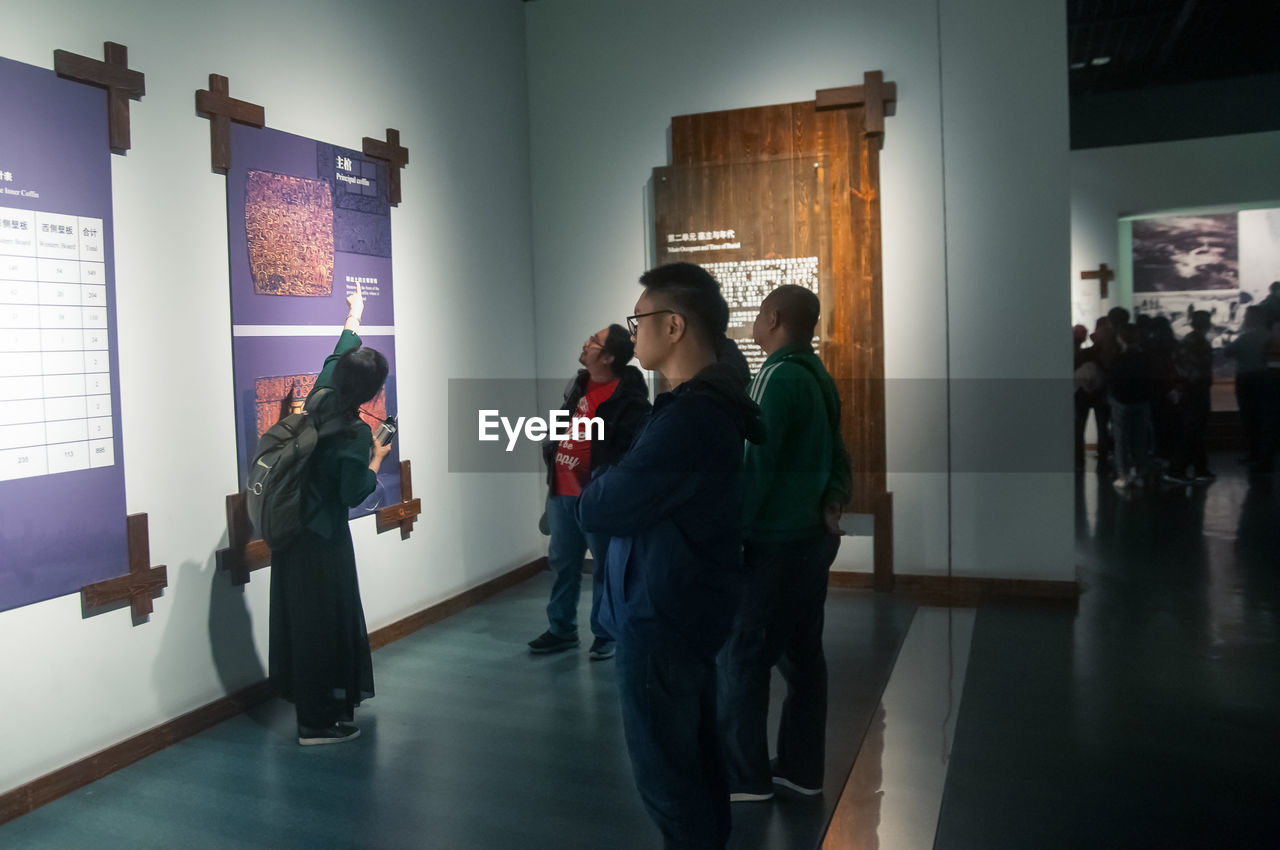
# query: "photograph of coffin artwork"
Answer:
x=288 y=224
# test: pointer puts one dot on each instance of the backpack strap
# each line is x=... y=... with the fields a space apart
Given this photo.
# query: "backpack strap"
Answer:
x=327 y=422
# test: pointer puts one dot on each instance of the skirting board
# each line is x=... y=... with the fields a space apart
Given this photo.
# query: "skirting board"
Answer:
x=969 y=591
x=51 y=786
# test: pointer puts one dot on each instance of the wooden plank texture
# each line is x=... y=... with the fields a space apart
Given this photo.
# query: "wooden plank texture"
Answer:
x=853 y=328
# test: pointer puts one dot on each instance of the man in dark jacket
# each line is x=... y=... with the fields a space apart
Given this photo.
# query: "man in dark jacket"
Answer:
x=672 y=506
x=1194 y=361
x=795 y=486
x=1131 y=386
x=609 y=390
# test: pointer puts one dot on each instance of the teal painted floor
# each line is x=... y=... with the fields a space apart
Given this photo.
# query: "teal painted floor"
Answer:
x=470 y=744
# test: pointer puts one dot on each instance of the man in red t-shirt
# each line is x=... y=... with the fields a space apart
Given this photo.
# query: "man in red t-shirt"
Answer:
x=608 y=389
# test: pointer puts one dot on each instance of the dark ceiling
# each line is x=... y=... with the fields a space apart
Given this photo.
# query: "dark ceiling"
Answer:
x=1134 y=44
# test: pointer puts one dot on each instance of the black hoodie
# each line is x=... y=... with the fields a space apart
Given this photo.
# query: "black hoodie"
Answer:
x=673 y=508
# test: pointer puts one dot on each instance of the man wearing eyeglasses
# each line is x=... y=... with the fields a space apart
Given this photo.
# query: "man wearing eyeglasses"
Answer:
x=607 y=388
x=672 y=506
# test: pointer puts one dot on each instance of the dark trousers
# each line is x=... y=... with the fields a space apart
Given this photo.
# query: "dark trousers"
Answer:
x=667 y=693
x=779 y=622
x=1193 y=421
x=1083 y=406
x=1165 y=427
x=1270 y=405
x=1098 y=403
x=1250 y=396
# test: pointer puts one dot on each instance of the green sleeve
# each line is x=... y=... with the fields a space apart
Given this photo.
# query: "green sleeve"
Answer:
x=355 y=479
x=840 y=482
x=781 y=399
x=839 y=487
x=349 y=341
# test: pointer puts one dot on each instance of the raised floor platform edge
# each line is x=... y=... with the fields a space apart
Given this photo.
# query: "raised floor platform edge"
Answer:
x=968 y=591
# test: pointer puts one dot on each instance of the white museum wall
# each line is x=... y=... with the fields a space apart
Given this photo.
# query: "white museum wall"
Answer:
x=605 y=80
x=451 y=77
x=1107 y=183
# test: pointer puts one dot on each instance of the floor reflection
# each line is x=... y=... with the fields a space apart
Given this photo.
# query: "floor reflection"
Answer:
x=894 y=791
x=1147 y=717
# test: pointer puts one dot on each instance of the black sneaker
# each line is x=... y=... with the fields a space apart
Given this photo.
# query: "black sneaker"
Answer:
x=547 y=642
x=335 y=734
x=602 y=648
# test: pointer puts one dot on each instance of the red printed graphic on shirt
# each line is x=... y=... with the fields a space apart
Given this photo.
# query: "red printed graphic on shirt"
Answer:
x=573 y=457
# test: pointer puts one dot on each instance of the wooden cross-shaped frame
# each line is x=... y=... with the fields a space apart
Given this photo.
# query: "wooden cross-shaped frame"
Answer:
x=122 y=85
x=402 y=515
x=221 y=109
x=1103 y=275
x=138 y=587
x=878 y=97
x=394 y=155
x=244 y=553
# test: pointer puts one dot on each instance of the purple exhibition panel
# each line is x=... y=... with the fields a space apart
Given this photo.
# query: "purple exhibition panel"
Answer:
x=263 y=360
x=306 y=223
x=62 y=493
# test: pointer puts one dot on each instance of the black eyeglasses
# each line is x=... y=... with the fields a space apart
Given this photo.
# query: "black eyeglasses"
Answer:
x=633 y=322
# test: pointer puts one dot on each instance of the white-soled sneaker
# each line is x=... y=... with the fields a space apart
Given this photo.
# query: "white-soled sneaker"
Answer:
x=748 y=797
x=338 y=733
x=799 y=789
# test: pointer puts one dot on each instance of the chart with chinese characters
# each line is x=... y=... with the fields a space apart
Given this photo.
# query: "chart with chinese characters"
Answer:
x=55 y=366
x=62 y=481
x=746 y=283
x=754 y=225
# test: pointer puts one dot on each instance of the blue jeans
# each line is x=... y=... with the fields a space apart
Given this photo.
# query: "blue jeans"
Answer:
x=667 y=693
x=779 y=623
x=569 y=544
x=1131 y=424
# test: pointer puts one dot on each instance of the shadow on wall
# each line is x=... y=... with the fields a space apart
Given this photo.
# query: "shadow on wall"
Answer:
x=230 y=636
x=235 y=656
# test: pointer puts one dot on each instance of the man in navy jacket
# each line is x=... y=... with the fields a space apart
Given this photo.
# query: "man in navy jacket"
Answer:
x=674 y=572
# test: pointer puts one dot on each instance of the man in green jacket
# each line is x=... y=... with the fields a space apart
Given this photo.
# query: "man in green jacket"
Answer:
x=795 y=486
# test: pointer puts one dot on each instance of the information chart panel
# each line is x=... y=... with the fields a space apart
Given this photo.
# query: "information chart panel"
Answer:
x=61 y=483
x=307 y=222
x=754 y=225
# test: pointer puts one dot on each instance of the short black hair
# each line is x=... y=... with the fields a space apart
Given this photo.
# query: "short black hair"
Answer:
x=620 y=346
x=693 y=293
x=1118 y=316
x=358 y=376
x=798 y=309
x=1201 y=321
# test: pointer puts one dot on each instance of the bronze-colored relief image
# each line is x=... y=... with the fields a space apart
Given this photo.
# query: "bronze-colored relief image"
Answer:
x=278 y=396
x=288 y=222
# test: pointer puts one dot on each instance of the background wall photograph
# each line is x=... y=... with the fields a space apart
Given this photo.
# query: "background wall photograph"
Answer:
x=1220 y=262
